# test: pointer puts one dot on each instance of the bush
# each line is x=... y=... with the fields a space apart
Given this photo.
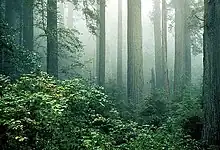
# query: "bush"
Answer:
x=165 y=137
x=39 y=112
x=15 y=59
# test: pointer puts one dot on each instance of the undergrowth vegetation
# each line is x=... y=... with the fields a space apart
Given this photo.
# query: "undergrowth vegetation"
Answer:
x=39 y=112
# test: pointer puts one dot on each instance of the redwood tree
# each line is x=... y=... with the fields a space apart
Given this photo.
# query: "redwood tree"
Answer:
x=28 y=32
x=211 y=82
x=52 y=41
x=119 y=52
x=101 y=45
x=158 y=45
x=135 y=79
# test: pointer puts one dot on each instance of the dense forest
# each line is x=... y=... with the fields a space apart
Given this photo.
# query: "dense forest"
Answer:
x=109 y=75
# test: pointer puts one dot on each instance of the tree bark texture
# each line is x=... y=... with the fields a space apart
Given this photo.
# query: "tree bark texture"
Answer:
x=119 y=52
x=211 y=77
x=135 y=80
x=52 y=40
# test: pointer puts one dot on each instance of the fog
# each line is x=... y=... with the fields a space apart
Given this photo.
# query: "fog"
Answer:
x=88 y=55
x=89 y=42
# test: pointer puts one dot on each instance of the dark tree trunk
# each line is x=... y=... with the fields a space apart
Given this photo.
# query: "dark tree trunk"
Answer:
x=97 y=41
x=52 y=41
x=152 y=81
x=2 y=15
x=164 y=47
x=10 y=18
x=211 y=85
x=187 y=45
x=28 y=32
x=101 y=52
x=158 y=45
x=2 y=8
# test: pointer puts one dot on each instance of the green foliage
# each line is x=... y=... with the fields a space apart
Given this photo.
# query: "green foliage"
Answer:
x=188 y=105
x=165 y=137
x=154 y=111
x=16 y=59
x=40 y=112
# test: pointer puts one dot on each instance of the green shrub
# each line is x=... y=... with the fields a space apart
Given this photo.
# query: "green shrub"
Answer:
x=166 y=137
x=39 y=112
x=42 y=113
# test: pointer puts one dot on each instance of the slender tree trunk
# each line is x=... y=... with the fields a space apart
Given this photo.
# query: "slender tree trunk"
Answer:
x=10 y=13
x=97 y=41
x=10 y=17
x=119 y=56
x=101 y=50
x=2 y=2
x=152 y=81
x=187 y=46
x=28 y=23
x=179 y=66
x=211 y=77
x=164 y=47
x=135 y=79
x=70 y=15
x=21 y=18
x=62 y=14
x=158 y=46
x=52 y=41
x=1 y=7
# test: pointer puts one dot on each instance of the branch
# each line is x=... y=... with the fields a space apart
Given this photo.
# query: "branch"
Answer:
x=199 y=18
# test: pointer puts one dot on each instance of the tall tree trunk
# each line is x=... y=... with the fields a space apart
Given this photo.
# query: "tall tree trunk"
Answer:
x=187 y=45
x=52 y=41
x=1 y=7
x=135 y=79
x=152 y=81
x=211 y=77
x=2 y=2
x=164 y=47
x=21 y=23
x=10 y=13
x=119 y=56
x=101 y=49
x=62 y=14
x=179 y=66
x=10 y=17
x=28 y=23
x=158 y=46
x=97 y=41
x=70 y=15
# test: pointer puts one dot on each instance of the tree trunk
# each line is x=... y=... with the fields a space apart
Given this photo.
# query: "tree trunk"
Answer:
x=10 y=18
x=52 y=41
x=28 y=33
x=62 y=14
x=135 y=79
x=152 y=81
x=97 y=41
x=70 y=15
x=211 y=77
x=164 y=47
x=2 y=15
x=101 y=52
x=1 y=8
x=158 y=46
x=179 y=66
x=119 y=56
x=187 y=46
